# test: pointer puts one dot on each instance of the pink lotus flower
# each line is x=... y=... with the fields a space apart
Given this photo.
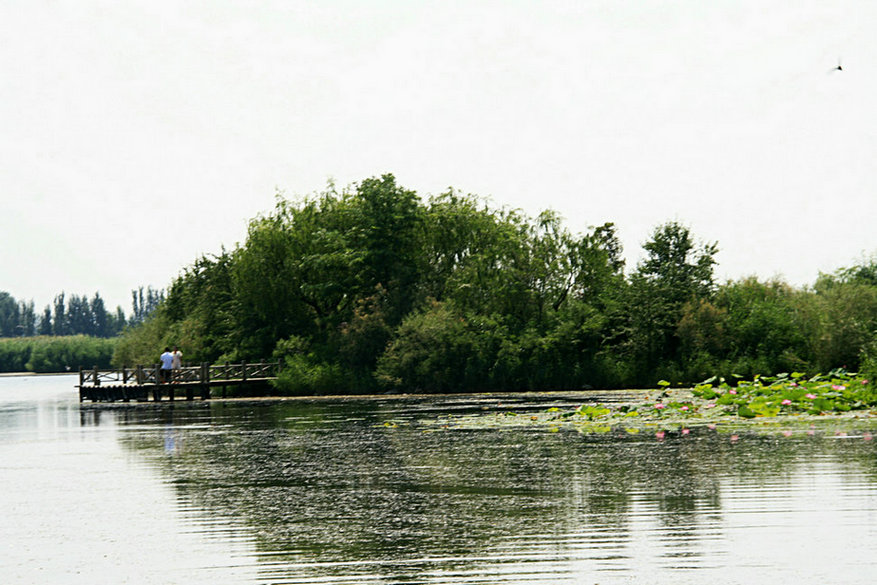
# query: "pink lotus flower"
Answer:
x=867 y=436
x=685 y=431
x=711 y=427
x=838 y=387
x=810 y=396
x=659 y=435
x=864 y=382
x=660 y=406
x=683 y=408
x=787 y=433
x=735 y=438
x=709 y=405
x=786 y=402
x=732 y=391
x=793 y=385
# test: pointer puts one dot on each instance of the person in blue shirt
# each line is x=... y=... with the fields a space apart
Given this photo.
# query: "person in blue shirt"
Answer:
x=167 y=363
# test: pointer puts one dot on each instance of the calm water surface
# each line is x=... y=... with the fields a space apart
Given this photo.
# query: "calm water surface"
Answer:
x=373 y=491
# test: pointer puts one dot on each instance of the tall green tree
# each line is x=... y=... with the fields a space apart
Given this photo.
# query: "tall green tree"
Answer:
x=99 y=316
x=675 y=271
x=9 y=315
x=298 y=272
x=59 y=319
x=27 y=318
x=144 y=302
x=198 y=314
x=45 y=327
x=385 y=229
x=79 y=319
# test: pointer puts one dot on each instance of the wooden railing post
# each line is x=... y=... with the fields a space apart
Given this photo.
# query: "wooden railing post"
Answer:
x=81 y=382
x=139 y=375
x=96 y=377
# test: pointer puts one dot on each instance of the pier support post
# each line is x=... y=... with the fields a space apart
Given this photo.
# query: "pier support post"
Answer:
x=205 y=380
x=156 y=390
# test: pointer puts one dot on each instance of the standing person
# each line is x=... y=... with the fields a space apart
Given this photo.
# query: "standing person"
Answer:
x=178 y=360
x=167 y=363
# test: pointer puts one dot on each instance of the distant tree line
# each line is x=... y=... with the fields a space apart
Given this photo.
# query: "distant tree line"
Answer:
x=74 y=315
x=374 y=289
x=71 y=332
x=43 y=354
x=143 y=303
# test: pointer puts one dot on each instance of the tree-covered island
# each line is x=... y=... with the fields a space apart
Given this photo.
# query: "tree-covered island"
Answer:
x=373 y=289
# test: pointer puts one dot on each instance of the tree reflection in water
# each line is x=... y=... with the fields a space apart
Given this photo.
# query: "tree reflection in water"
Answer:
x=338 y=487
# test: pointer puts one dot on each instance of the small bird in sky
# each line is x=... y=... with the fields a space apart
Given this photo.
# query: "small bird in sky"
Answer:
x=839 y=66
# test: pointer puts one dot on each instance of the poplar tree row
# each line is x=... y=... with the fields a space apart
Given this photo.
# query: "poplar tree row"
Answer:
x=73 y=315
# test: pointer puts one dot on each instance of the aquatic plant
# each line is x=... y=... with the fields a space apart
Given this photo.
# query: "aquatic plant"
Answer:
x=780 y=403
x=838 y=391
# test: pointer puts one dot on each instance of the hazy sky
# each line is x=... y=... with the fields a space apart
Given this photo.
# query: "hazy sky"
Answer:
x=137 y=135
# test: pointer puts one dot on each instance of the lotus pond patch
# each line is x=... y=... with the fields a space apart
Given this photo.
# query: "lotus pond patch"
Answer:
x=788 y=402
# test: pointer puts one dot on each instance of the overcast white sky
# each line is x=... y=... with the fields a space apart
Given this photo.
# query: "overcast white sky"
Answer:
x=137 y=135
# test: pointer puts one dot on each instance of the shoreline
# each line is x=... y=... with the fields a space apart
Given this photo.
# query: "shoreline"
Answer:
x=30 y=374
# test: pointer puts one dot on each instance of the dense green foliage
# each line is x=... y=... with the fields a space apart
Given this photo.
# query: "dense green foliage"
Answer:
x=373 y=289
x=54 y=354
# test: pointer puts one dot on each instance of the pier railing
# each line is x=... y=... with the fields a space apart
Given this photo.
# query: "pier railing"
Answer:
x=203 y=374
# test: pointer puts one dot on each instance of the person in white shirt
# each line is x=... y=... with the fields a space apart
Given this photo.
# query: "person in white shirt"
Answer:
x=167 y=363
x=177 y=362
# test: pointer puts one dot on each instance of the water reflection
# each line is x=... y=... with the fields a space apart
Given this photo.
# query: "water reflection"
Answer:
x=331 y=494
x=78 y=508
x=361 y=491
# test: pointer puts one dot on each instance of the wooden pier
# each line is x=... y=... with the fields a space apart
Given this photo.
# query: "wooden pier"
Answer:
x=144 y=383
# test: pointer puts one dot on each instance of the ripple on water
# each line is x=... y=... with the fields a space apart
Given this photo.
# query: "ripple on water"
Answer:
x=321 y=491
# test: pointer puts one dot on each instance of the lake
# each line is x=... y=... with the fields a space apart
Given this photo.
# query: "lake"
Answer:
x=388 y=491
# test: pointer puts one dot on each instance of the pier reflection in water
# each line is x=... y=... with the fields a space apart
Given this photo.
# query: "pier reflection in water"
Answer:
x=359 y=491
